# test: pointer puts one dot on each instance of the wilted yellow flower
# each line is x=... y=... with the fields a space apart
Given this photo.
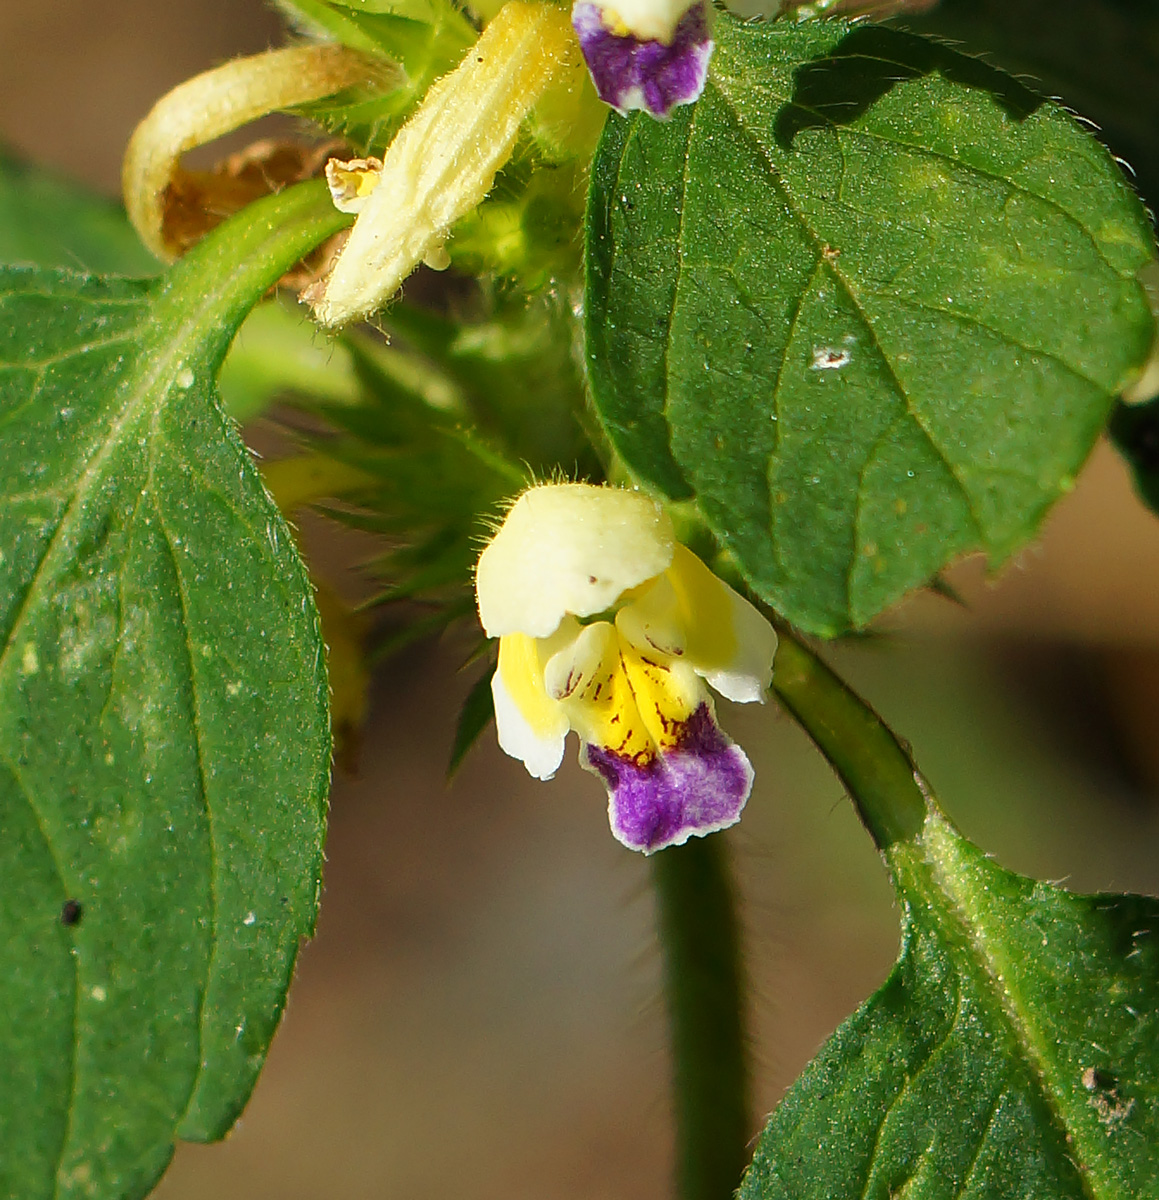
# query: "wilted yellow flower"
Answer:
x=443 y=161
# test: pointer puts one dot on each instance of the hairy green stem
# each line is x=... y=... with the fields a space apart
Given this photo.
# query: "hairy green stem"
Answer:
x=700 y=938
x=699 y=932
x=872 y=763
x=235 y=263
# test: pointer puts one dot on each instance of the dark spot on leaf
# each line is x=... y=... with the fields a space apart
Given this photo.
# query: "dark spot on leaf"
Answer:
x=71 y=912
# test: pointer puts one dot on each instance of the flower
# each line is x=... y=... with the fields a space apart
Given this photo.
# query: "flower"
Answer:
x=608 y=626
x=219 y=101
x=443 y=161
x=645 y=54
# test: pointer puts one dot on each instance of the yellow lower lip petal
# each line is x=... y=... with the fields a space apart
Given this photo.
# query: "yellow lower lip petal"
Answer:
x=666 y=692
x=589 y=677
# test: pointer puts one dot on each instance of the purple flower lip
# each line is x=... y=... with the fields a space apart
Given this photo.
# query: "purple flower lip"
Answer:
x=696 y=788
x=638 y=73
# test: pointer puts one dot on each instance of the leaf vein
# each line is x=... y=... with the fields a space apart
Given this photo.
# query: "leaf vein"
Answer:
x=53 y=360
x=969 y=168
x=203 y=780
x=907 y=1085
x=981 y=172
x=37 y=383
x=790 y=203
x=970 y=319
x=976 y=1157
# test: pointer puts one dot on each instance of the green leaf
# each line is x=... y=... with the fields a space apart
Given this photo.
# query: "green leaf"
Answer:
x=1014 y=1049
x=426 y=38
x=164 y=743
x=477 y=713
x=868 y=300
x=50 y=222
x=1100 y=56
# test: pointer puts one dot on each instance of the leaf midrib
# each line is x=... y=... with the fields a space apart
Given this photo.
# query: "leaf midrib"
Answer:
x=938 y=844
x=142 y=386
x=846 y=286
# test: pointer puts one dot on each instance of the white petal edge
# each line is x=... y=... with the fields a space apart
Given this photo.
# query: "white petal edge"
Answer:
x=747 y=678
x=541 y=754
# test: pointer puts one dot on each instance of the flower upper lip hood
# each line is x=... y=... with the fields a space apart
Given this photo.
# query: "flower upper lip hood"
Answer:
x=608 y=626
x=569 y=549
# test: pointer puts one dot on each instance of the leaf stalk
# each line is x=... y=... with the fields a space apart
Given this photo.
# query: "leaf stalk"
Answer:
x=870 y=760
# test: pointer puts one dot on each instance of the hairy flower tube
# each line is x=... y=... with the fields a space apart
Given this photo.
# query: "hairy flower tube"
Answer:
x=645 y=54
x=443 y=161
x=608 y=626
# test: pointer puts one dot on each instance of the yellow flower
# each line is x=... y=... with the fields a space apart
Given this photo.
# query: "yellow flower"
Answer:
x=443 y=161
x=608 y=626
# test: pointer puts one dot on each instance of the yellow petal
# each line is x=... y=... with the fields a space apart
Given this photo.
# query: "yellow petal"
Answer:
x=667 y=692
x=728 y=641
x=531 y=725
x=569 y=548
x=654 y=620
x=351 y=182
x=588 y=677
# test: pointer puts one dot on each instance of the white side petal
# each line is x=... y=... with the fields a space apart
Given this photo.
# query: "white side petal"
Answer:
x=584 y=664
x=747 y=677
x=569 y=548
x=540 y=753
x=729 y=643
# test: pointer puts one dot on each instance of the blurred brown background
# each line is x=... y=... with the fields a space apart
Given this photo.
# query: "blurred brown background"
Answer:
x=480 y=1015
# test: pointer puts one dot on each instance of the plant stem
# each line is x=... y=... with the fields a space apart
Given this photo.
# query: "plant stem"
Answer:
x=699 y=932
x=224 y=275
x=700 y=939
x=872 y=763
